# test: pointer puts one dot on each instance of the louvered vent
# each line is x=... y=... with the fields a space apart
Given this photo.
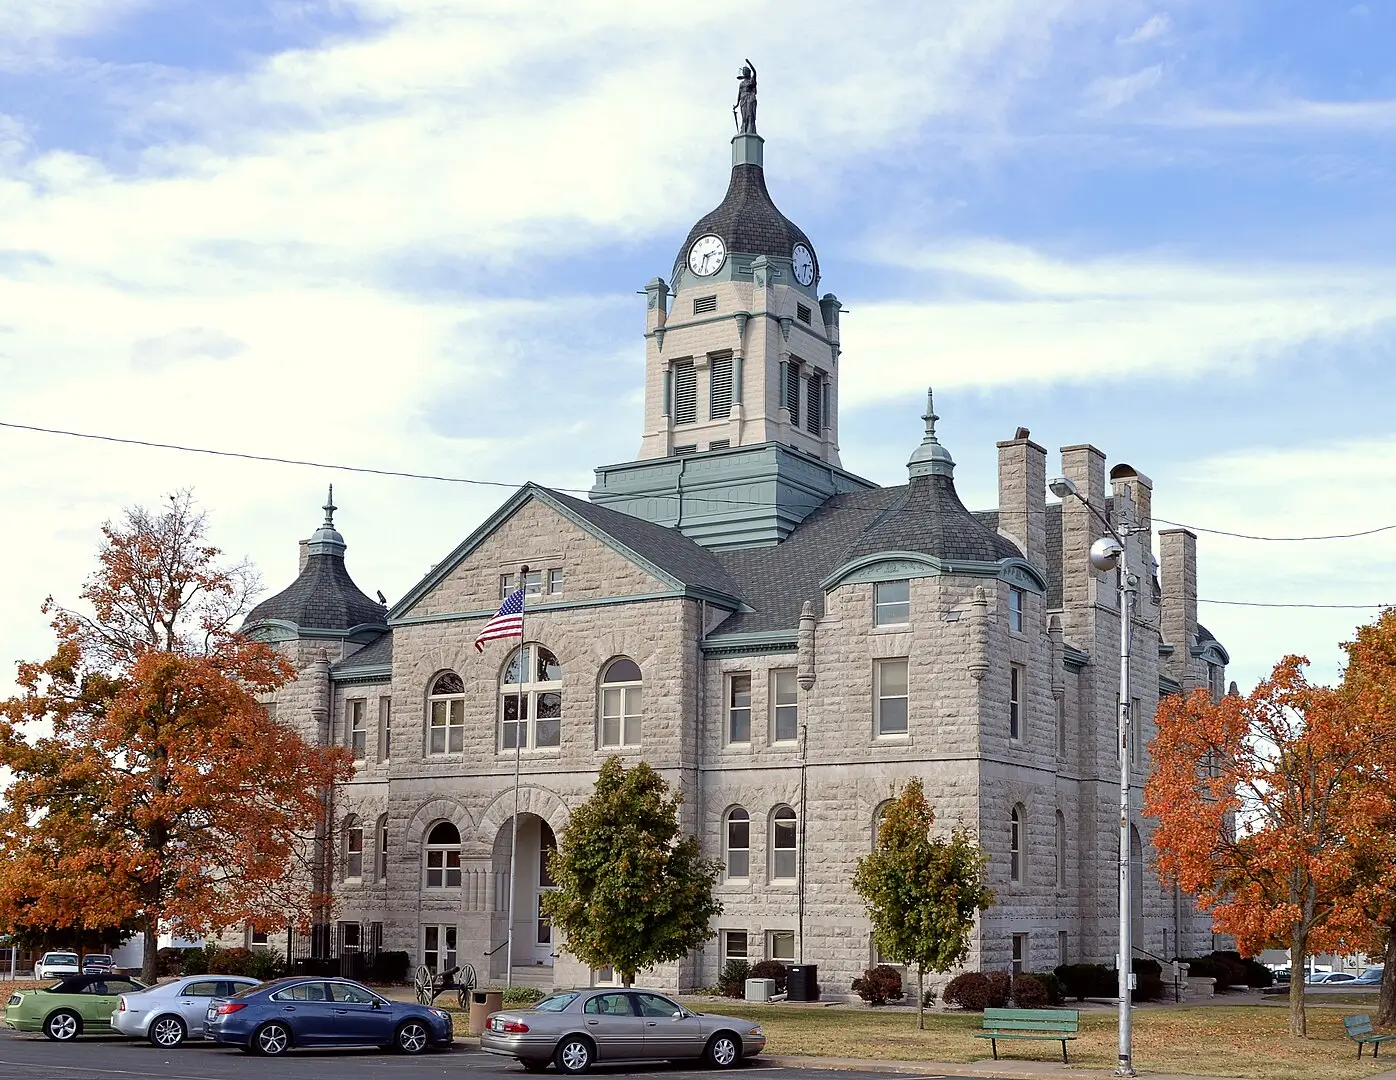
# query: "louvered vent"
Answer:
x=720 y=387
x=706 y=305
x=802 y=312
x=814 y=404
x=792 y=392
x=685 y=393
x=719 y=444
x=680 y=450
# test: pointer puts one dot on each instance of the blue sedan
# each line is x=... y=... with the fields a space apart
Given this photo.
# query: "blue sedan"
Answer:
x=272 y=1018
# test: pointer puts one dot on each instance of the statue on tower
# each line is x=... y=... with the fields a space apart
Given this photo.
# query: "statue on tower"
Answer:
x=746 y=100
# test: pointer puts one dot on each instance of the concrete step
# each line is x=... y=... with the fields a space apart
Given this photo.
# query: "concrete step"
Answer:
x=539 y=975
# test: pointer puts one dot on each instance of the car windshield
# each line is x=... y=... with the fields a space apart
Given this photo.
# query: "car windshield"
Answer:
x=1372 y=973
x=54 y=959
x=555 y=1003
x=96 y=958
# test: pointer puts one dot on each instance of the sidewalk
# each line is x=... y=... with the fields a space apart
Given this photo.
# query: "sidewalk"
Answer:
x=1003 y=1068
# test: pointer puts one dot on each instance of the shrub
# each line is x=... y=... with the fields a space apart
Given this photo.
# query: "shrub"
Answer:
x=231 y=962
x=171 y=962
x=1148 y=980
x=732 y=982
x=1000 y=987
x=1226 y=967
x=879 y=985
x=771 y=969
x=1081 y=981
x=928 y=999
x=522 y=995
x=1053 y=985
x=1028 y=992
x=197 y=961
x=266 y=964
x=388 y=967
x=969 y=991
x=1257 y=974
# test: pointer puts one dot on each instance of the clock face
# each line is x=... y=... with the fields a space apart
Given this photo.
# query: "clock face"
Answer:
x=707 y=255
x=803 y=262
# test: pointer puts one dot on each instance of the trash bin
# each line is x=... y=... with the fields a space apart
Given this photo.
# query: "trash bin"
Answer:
x=482 y=1003
x=802 y=983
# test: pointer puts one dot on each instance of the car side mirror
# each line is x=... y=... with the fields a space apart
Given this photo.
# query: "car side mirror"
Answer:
x=377 y=1004
x=678 y=1015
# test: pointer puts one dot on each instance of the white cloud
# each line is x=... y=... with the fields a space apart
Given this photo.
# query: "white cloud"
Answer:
x=1151 y=29
x=1111 y=91
x=1285 y=113
x=1002 y=314
x=26 y=24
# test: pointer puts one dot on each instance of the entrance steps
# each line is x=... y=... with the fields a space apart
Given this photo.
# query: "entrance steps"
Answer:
x=539 y=975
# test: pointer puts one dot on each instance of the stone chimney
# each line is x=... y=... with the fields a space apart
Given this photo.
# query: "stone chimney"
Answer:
x=1023 y=496
x=304 y=556
x=1138 y=489
x=1178 y=608
x=1084 y=465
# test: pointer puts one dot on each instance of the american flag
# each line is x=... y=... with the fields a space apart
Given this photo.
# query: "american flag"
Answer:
x=507 y=621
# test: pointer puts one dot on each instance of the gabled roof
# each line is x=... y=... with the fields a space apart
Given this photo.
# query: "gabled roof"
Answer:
x=377 y=653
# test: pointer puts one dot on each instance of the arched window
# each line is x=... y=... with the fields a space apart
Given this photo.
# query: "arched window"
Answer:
x=447 y=710
x=443 y=856
x=784 y=845
x=1015 y=845
x=620 y=703
x=738 y=843
x=1136 y=887
x=353 y=849
x=380 y=848
x=531 y=714
x=1061 y=850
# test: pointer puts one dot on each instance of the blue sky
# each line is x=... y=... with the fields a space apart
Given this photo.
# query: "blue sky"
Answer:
x=408 y=234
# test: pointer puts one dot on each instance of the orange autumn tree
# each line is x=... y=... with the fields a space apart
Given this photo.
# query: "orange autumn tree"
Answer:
x=1264 y=806
x=148 y=785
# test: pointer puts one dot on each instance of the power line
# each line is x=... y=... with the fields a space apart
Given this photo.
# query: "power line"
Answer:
x=1279 y=539
x=1263 y=604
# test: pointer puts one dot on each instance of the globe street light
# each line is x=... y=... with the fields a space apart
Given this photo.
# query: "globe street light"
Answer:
x=1110 y=553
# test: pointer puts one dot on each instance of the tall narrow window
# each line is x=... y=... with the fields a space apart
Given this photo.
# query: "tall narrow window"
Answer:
x=892 y=603
x=380 y=848
x=739 y=707
x=1061 y=850
x=890 y=691
x=1015 y=845
x=1020 y=953
x=1061 y=726
x=785 y=706
x=447 y=710
x=1062 y=941
x=738 y=842
x=1015 y=702
x=554 y=582
x=814 y=405
x=784 y=845
x=792 y=391
x=1136 y=734
x=531 y=719
x=685 y=392
x=385 y=728
x=620 y=704
x=358 y=728
x=1016 y=599
x=353 y=849
x=443 y=856
x=719 y=387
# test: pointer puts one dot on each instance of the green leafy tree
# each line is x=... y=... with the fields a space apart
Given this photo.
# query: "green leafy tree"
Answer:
x=922 y=891
x=631 y=891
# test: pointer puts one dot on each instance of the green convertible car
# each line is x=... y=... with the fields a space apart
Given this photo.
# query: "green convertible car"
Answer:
x=78 y=1005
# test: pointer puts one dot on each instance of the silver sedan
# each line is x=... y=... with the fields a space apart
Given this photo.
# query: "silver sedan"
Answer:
x=174 y=1011
x=573 y=1029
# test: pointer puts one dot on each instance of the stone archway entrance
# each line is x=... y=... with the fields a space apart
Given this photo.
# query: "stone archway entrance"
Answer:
x=533 y=932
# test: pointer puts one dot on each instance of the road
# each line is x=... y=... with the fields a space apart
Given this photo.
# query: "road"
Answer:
x=33 y=1056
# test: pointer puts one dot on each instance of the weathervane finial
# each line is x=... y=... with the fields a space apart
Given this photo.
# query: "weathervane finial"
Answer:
x=330 y=507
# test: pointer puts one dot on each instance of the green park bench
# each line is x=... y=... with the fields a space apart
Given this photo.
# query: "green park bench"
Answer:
x=1359 y=1030
x=1053 y=1025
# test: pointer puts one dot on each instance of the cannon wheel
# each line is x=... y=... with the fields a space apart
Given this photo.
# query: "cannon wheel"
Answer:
x=466 y=978
x=423 y=985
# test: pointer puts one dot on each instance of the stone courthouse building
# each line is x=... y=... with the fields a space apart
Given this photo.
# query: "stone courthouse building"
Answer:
x=787 y=642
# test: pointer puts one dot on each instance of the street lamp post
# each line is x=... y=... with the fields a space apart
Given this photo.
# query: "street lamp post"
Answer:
x=1111 y=553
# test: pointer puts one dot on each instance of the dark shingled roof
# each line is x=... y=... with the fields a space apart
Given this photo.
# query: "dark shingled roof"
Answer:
x=748 y=221
x=666 y=548
x=377 y=651
x=323 y=597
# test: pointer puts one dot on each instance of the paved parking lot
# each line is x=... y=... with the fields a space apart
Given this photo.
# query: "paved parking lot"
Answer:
x=120 y=1059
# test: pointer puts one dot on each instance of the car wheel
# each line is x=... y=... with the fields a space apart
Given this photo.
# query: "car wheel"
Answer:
x=63 y=1025
x=723 y=1050
x=574 y=1055
x=272 y=1040
x=412 y=1038
x=167 y=1031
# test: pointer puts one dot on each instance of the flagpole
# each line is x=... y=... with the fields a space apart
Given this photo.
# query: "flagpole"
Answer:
x=520 y=729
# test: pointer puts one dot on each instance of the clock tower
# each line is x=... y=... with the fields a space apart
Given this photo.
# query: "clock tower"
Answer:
x=740 y=437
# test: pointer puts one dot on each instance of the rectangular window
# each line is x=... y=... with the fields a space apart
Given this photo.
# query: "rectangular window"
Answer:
x=720 y=388
x=1015 y=702
x=704 y=305
x=385 y=728
x=447 y=734
x=792 y=391
x=620 y=716
x=802 y=312
x=719 y=444
x=533 y=584
x=351 y=936
x=785 y=849
x=1015 y=609
x=1020 y=953
x=257 y=939
x=814 y=404
x=689 y=448
x=780 y=945
x=439 y=948
x=685 y=392
x=380 y=848
x=734 y=945
x=1062 y=948
x=785 y=706
x=375 y=937
x=554 y=582
x=738 y=844
x=354 y=853
x=892 y=603
x=739 y=708
x=358 y=729
x=891 y=696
